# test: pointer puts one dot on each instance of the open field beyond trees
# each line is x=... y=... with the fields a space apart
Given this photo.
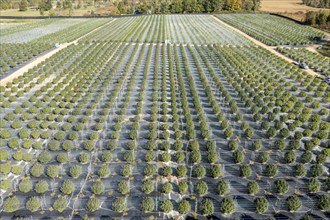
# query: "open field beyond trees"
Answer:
x=163 y=117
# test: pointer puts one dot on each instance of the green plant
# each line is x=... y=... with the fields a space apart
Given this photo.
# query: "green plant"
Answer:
x=25 y=185
x=11 y=204
x=201 y=188
x=294 y=203
x=206 y=206
x=147 y=204
x=253 y=187
x=119 y=204
x=67 y=187
x=281 y=186
x=166 y=206
x=93 y=204
x=184 y=207
x=33 y=204
x=97 y=187
x=227 y=206
x=223 y=187
x=123 y=187
x=261 y=205
x=313 y=185
x=41 y=186
x=324 y=202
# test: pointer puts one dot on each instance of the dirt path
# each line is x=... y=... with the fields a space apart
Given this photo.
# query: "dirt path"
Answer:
x=42 y=58
x=269 y=48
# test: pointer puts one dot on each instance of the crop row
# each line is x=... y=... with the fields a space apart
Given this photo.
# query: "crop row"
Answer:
x=272 y=30
x=165 y=128
x=38 y=29
x=15 y=54
x=195 y=29
x=23 y=26
x=313 y=60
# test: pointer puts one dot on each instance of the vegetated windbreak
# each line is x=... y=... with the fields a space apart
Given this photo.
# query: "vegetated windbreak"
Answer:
x=318 y=3
x=150 y=130
x=273 y=30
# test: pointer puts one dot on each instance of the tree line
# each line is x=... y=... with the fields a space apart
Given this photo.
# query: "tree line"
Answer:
x=317 y=18
x=317 y=3
x=143 y=6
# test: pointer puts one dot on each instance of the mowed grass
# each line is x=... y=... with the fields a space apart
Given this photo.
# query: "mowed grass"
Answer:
x=290 y=6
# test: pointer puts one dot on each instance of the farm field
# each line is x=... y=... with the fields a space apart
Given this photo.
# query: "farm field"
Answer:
x=122 y=125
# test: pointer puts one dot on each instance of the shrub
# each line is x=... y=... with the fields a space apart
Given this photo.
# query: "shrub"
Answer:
x=183 y=187
x=294 y=203
x=126 y=170
x=199 y=171
x=179 y=157
x=261 y=205
x=62 y=158
x=195 y=156
x=89 y=145
x=60 y=135
x=313 y=185
x=60 y=204
x=52 y=171
x=41 y=186
x=181 y=170
x=147 y=186
x=123 y=187
x=166 y=206
x=316 y=170
x=238 y=156
x=119 y=204
x=245 y=170
x=184 y=207
x=166 y=171
x=11 y=204
x=103 y=171
x=253 y=187
x=223 y=187
x=147 y=204
x=167 y=187
x=256 y=145
x=4 y=154
x=129 y=156
x=307 y=157
x=84 y=158
x=97 y=187
x=263 y=157
x=290 y=157
x=67 y=187
x=5 y=184
x=300 y=170
x=280 y=144
x=149 y=170
x=37 y=170
x=150 y=156
x=13 y=143
x=216 y=171
x=33 y=204
x=75 y=171
x=271 y=170
x=227 y=206
x=233 y=145
x=25 y=185
x=206 y=207
x=67 y=145
x=44 y=157
x=281 y=186
x=324 y=202
x=93 y=204
x=201 y=188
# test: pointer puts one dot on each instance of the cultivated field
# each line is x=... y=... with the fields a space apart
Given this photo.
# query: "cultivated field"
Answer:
x=122 y=125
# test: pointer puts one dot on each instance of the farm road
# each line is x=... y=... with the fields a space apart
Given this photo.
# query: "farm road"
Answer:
x=42 y=58
x=269 y=48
